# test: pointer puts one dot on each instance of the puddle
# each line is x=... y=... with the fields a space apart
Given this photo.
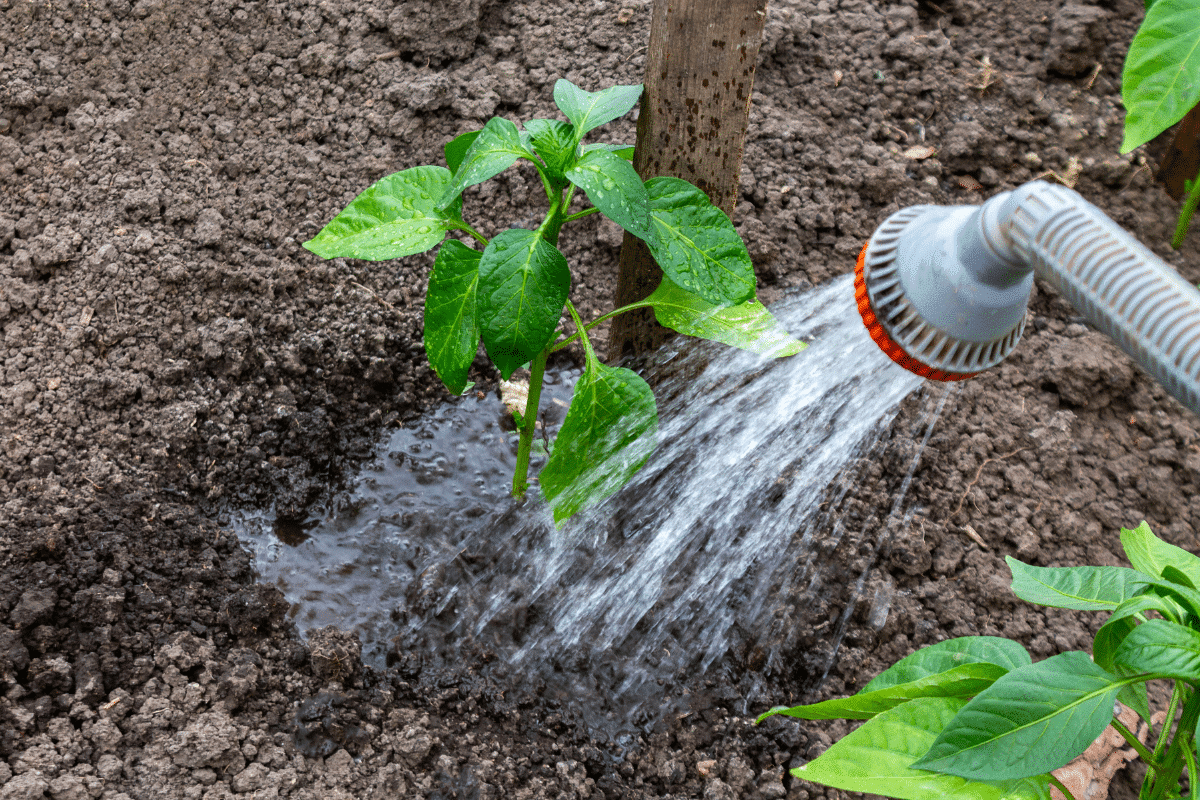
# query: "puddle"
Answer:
x=433 y=487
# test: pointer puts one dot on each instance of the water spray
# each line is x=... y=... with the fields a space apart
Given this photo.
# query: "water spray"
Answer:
x=943 y=290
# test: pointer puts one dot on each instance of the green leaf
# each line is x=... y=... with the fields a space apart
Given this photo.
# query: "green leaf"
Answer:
x=877 y=758
x=457 y=148
x=554 y=142
x=1160 y=647
x=1124 y=619
x=1173 y=575
x=696 y=245
x=1186 y=601
x=748 y=325
x=962 y=681
x=1161 y=79
x=523 y=285
x=615 y=188
x=1109 y=638
x=396 y=216
x=1136 y=697
x=451 y=327
x=624 y=151
x=1151 y=555
x=943 y=656
x=495 y=149
x=1033 y=720
x=609 y=432
x=1113 y=632
x=1078 y=588
x=589 y=110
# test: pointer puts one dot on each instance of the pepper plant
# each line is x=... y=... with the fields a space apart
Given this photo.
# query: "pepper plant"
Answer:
x=1161 y=83
x=511 y=295
x=974 y=717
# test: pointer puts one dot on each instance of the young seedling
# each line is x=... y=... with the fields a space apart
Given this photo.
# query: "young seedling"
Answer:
x=511 y=295
x=975 y=717
x=1161 y=80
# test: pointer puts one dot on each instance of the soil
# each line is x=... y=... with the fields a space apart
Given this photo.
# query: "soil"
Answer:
x=170 y=351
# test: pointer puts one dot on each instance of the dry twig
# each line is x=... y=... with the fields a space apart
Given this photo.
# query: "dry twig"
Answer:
x=979 y=472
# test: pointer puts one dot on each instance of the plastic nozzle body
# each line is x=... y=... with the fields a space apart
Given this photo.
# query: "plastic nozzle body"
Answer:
x=947 y=287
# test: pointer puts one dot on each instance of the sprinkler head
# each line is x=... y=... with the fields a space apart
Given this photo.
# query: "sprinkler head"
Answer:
x=880 y=336
x=937 y=296
x=943 y=291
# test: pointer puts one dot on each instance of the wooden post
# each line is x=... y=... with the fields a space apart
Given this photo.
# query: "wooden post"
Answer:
x=1182 y=160
x=692 y=125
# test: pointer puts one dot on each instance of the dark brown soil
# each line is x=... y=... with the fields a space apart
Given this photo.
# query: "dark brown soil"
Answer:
x=168 y=347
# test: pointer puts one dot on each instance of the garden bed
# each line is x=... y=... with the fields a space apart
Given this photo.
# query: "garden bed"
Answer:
x=171 y=352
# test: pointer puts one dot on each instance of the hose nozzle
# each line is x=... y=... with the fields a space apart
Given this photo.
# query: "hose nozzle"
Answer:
x=943 y=290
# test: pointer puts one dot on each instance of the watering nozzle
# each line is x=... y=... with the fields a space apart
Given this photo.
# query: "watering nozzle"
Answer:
x=943 y=290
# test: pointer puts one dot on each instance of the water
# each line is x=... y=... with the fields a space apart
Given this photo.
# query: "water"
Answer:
x=881 y=601
x=432 y=563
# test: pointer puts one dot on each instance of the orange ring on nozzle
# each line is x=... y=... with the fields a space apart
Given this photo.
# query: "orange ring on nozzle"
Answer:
x=880 y=336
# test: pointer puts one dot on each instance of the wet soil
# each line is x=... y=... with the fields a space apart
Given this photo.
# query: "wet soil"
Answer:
x=170 y=350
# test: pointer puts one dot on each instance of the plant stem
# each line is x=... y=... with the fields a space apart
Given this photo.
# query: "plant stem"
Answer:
x=1189 y=754
x=1163 y=735
x=1134 y=742
x=563 y=343
x=546 y=184
x=462 y=226
x=581 y=214
x=1056 y=783
x=1190 y=201
x=581 y=332
x=1160 y=744
x=1166 y=780
x=548 y=230
x=553 y=223
x=537 y=369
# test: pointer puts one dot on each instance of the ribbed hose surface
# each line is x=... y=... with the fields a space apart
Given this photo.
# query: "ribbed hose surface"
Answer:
x=1122 y=288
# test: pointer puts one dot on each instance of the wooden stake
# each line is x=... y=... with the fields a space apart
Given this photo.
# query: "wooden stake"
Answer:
x=699 y=79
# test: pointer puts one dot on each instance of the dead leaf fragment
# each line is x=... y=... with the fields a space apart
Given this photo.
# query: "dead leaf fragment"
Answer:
x=986 y=76
x=974 y=536
x=1088 y=777
x=920 y=152
x=1069 y=176
x=514 y=395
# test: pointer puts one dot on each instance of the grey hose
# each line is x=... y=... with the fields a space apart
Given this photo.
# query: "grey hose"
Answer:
x=1121 y=287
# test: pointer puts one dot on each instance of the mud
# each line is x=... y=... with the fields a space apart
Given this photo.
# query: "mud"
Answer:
x=170 y=351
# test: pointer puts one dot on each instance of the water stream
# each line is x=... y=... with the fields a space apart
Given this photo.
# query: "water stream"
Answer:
x=428 y=559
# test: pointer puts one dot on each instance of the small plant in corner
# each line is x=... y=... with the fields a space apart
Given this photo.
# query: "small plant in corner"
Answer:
x=512 y=293
x=1161 y=84
x=975 y=717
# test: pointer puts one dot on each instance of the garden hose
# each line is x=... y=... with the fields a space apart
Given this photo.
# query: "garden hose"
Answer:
x=943 y=290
